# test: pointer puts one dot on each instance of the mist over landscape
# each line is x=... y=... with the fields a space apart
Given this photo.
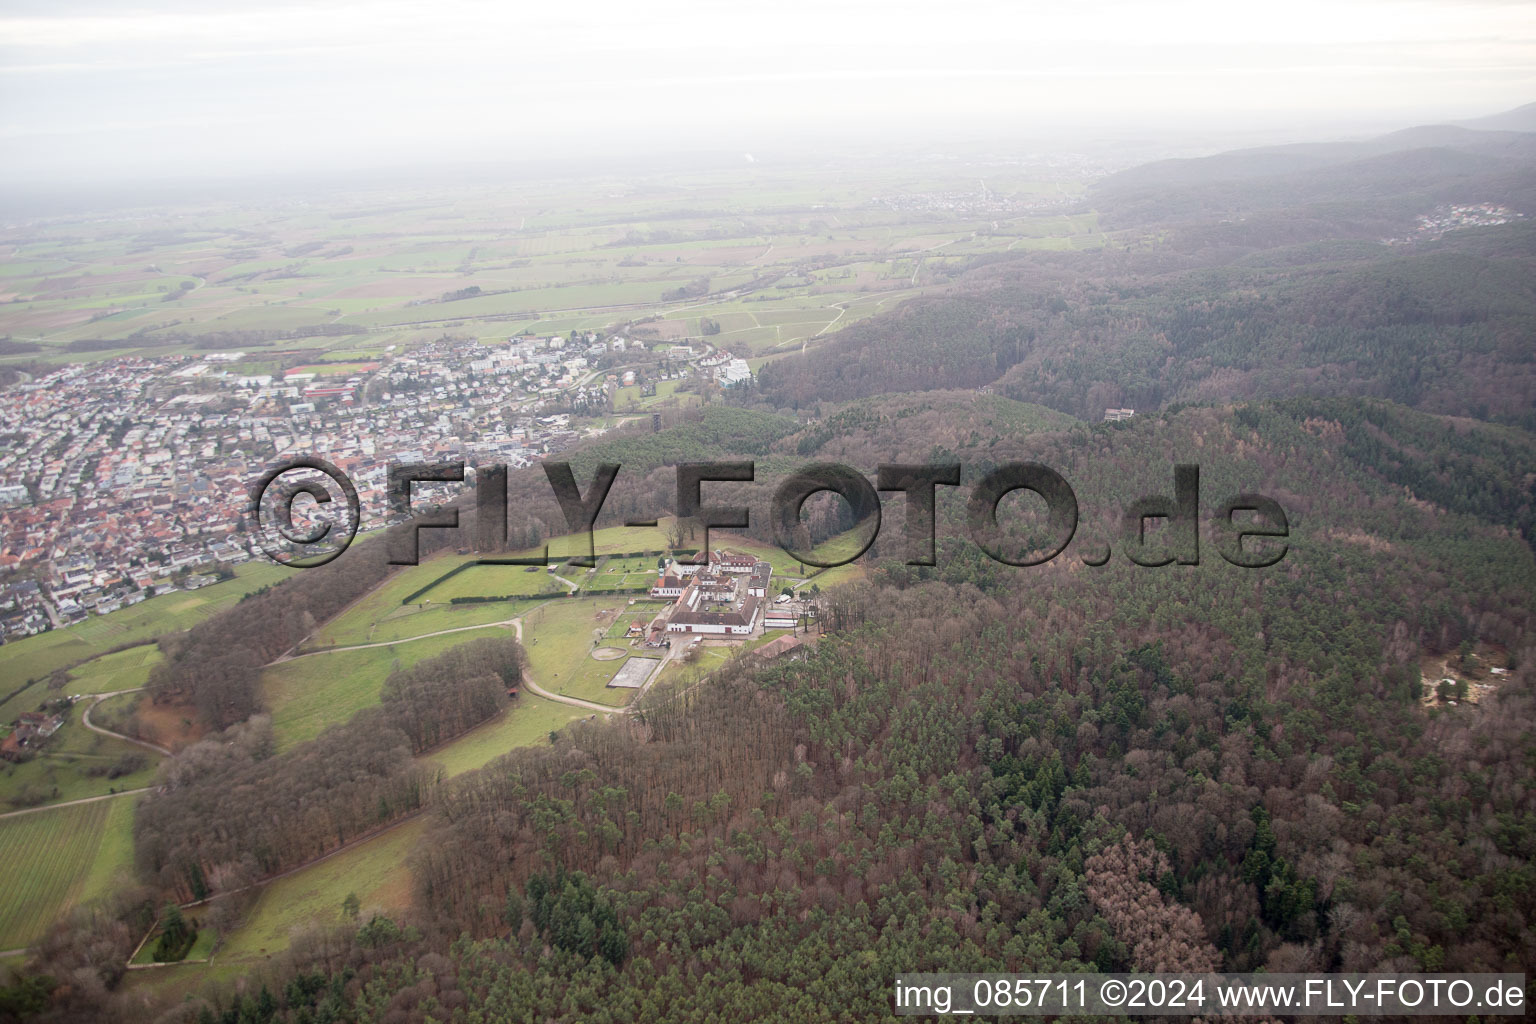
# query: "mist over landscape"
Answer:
x=1187 y=352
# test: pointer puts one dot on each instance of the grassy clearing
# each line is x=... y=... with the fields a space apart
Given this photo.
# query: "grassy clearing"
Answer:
x=612 y=540
x=526 y=723
x=202 y=946
x=707 y=658
x=309 y=694
x=121 y=670
x=703 y=661
x=628 y=399
x=621 y=574
x=375 y=870
x=496 y=581
x=380 y=615
x=54 y=859
x=418 y=620
x=559 y=639
x=354 y=624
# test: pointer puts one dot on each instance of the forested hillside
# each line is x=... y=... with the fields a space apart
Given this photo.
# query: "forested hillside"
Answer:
x=1063 y=767
x=1326 y=268
x=1334 y=189
x=1445 y=325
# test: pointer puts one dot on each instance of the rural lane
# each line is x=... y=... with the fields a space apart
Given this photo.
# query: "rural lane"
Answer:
x=71 y=803
x=85 y=720
x=534 y=687
x=516 y=624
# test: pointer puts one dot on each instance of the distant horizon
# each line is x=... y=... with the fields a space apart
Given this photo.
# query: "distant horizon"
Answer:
x=175 y=92
x=1129 y=144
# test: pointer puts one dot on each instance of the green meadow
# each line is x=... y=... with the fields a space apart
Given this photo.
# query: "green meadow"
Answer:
x=308 y=694
x=559 y=638
x=527 y=722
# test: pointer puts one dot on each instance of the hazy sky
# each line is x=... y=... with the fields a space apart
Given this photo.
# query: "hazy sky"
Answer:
x=116 y=87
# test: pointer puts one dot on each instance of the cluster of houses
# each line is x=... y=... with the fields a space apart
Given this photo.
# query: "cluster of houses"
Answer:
x=1429 y=226
x=123 y=475
x=139 y=468
x=31 y=729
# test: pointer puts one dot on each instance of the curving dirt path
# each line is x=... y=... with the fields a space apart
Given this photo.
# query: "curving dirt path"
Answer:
x=85 y=720
x=388 y=643
x=515 y=624
x=561 y=698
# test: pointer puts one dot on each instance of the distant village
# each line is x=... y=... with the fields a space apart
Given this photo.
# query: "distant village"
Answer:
x=126 y=478
x=1429 y=226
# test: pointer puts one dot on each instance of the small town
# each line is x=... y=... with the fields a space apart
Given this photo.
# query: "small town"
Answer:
x=126 y=478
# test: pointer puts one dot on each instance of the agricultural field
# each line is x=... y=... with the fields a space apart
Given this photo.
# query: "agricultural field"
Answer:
x=57 y=858
x=771 y=260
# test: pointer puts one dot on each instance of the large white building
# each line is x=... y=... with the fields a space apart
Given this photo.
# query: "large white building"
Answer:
x=733 y=373
x=714 y=586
